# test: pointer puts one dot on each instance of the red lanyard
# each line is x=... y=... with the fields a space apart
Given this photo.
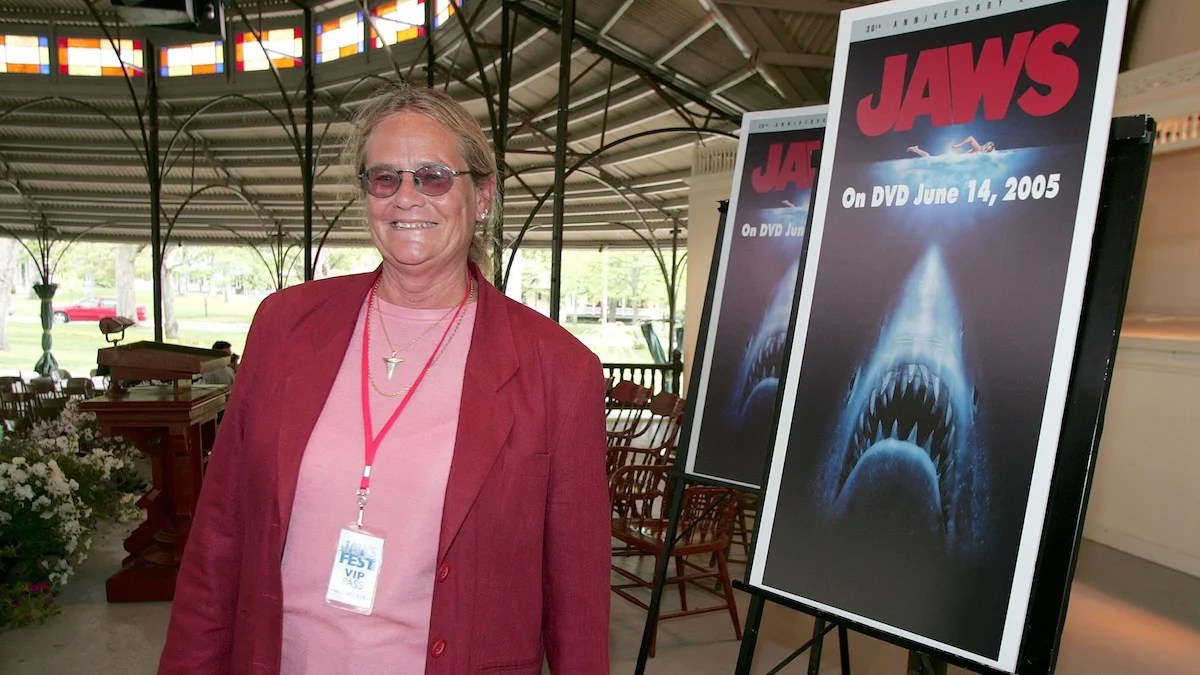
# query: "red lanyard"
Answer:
x=372 y=443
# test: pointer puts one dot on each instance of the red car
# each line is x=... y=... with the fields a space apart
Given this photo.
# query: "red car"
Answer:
x=92 y=309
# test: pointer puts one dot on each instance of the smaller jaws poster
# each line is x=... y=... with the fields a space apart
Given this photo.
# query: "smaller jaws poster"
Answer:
x=757 y=269
x=937 y=319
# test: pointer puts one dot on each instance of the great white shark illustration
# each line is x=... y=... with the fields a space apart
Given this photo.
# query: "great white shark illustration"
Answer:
x=758 y=375
x=905 y=452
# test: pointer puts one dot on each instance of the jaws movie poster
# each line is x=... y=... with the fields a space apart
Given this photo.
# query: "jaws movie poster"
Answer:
x=757 y=267
x=937 y=319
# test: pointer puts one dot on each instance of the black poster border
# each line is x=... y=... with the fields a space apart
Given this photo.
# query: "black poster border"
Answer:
x=1123 y=186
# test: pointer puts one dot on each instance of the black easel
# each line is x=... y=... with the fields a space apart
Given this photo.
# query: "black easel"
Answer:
x=679 y=477
x=677 y=480
x=821 y=627
x=1123 y=188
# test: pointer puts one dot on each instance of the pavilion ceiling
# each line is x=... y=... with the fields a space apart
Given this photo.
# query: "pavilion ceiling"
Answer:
x=650 y=81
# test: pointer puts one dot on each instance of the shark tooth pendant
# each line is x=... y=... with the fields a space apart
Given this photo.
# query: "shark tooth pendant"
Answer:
x=392 y=361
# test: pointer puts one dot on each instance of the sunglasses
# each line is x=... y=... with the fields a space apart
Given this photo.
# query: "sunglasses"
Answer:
x=431 y=180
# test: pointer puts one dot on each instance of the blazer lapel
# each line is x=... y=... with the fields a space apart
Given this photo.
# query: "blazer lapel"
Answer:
x=314 y=367
x=485 y=417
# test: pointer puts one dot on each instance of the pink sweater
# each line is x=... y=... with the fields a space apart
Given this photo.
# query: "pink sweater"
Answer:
x=408 y=484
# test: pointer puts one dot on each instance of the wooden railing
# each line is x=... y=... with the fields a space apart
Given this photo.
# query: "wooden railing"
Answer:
x=657 y=376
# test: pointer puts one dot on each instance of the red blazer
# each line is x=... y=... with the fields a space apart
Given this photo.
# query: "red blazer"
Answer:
x=523 y=557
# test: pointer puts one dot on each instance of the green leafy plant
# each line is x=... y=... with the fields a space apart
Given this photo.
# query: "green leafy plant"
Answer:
x=45 y=532
x=55 y=483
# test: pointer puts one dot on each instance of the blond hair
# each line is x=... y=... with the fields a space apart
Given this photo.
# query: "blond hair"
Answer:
x=473 y=145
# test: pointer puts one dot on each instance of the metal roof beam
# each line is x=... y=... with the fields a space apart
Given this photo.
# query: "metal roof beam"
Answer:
x=793 y=59
x=827 y=7
x=636 y=62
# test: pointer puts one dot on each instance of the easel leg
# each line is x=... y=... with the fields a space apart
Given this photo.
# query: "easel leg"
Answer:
x=814 y=654
x=750 y=635
x=650 y=633
x=844 y=648
x=924 y=664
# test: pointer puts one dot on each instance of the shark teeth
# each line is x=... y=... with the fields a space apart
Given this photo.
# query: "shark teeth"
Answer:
x=911 y=403
x=767 y=364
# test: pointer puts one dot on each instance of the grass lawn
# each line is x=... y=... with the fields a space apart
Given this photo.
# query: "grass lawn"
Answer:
x=75 y=344
x=203 y=322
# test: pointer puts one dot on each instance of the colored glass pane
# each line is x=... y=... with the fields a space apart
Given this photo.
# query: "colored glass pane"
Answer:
x=340 y=38
x=283 y=47
x=95 y=57
x=202 y=58
x=24 y=54
x=405 y=19
x=397 y=21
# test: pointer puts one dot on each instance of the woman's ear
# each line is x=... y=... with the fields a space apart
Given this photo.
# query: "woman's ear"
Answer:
x=484 y=194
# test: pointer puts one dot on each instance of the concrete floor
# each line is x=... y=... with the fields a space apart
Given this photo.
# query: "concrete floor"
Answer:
x=1127 y=616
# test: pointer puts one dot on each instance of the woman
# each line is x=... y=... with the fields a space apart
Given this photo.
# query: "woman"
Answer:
x=468 y=530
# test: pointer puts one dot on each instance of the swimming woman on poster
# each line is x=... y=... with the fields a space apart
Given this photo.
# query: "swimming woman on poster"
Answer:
x=972 y=147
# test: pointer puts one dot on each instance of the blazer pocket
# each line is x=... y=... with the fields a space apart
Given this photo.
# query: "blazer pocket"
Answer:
x=536 y=465
x=533 y=666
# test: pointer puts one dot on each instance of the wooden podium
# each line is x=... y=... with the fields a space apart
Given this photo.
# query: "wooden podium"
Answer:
x=175 y=424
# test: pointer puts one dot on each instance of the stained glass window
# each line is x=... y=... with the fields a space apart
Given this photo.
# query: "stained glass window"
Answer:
x=339 y=38
x=404 y=20
x=204 y=58
x=95 y=57
x=283 y=46
x=24 y=54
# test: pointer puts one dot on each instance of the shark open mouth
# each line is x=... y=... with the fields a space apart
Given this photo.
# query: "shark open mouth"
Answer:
x=765 y=367
x=757 y=381
x=905 y=459
x=910 y=404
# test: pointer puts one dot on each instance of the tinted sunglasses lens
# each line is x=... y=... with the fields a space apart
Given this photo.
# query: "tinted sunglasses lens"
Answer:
x=434 y=180
x=382 y=182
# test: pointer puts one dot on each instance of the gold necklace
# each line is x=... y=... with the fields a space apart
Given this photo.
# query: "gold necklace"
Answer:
x=436 y=357
x=392 y=360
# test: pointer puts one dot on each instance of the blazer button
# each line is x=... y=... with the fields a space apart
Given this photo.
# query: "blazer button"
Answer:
x=439 y=646
x=443 y=571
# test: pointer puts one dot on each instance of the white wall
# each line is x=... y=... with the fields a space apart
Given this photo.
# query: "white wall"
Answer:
x=1146 y=495
x=1145 y=499
x=1166 y=264
x=703 y=218
x=1167 y=28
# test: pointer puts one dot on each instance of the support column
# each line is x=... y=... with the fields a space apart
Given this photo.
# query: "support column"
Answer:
x=150 y=54
x=430 y=11
x=500 y=141
x=560 y=153
x=307 y=169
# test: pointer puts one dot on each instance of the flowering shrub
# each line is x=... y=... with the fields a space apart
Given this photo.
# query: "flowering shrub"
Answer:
x=104 y=467
x=45 y=532
x=54 y=485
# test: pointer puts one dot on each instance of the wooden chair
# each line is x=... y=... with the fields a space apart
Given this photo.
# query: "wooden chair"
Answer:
x=41 y=388
x=653 y=440
x=745 y=522
x=626 y=402
x=14 y=403
x=640 y=497
x=79 y=388
x=49 y=407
